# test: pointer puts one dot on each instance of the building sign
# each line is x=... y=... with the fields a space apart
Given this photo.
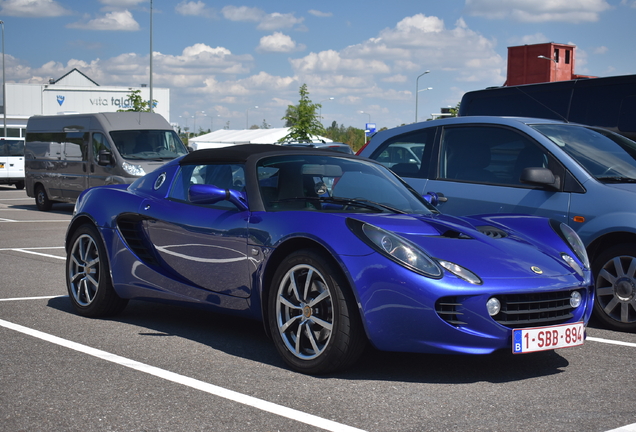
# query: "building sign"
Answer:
x=57 y=100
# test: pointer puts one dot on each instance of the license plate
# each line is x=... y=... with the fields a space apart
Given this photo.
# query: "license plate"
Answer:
x=527 y=340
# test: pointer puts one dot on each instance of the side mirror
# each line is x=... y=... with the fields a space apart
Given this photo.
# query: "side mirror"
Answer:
x=540 y=177
x=104 y=158
x=210 y=194
x=434 y=198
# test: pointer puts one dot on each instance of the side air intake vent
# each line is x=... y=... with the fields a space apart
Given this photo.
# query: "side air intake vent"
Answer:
x=492 y=232
x=132 y=233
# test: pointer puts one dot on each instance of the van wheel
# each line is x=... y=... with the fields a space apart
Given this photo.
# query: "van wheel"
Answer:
x=615 y=283
x=42 y=199
x=19 y=185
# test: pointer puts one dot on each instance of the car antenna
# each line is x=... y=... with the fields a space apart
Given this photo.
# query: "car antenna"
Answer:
x=542 y=104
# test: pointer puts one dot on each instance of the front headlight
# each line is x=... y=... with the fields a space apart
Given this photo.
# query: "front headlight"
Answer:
x=573 y=240
x=132 y=169
x=396 y=248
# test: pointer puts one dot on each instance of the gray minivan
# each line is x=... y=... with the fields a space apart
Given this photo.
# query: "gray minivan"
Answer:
x=66 y=154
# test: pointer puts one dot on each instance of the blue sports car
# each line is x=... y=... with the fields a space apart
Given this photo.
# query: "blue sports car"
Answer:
x=330 y=251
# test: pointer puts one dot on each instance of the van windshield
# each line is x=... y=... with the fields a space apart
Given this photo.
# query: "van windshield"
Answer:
x=148 y=144
x=607 y=156
x=11 y=147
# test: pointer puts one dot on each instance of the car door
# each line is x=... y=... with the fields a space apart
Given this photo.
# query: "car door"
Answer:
x=204 y=244
x=478 y=170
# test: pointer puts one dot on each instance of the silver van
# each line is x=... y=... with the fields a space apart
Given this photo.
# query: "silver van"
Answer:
x=65 y=154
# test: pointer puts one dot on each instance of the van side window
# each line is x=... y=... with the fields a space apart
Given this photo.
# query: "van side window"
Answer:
x=408 y=155
x=224 y=176
x=99 y=143
x=489 y=155
x=75 y=146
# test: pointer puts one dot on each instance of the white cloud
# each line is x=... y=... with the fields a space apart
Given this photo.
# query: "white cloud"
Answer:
x=574 y=11
x=600 y=50
x=121 y=4
x=399 y=78
x=33 y=8
x=267 y=22
x=320 y=14
x=114 y=21
x=191 y=8
x=242 y=13
x=277 y=20
x=416 y=43
x=279 y=42
x=536 y=38
x=260 y=83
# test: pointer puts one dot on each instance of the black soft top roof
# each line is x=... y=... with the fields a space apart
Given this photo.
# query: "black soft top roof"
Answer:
x=240 y=153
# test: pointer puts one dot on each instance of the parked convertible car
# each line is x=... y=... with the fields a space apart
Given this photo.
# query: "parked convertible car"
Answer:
x=330 y=251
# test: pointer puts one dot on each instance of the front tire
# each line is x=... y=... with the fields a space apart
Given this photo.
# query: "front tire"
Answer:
x=313 y=316
x=88 y=276
x=615 y=283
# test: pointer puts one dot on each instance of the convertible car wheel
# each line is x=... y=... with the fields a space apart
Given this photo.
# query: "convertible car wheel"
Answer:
x=615 y=271
x=88 y=277
x=312 y=315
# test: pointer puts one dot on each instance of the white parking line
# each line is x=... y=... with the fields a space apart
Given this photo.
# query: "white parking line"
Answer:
x=628 y=428
x=32 y=251
x=33 y=221
x=32 y=298
x=609 y=341
x=260 y=404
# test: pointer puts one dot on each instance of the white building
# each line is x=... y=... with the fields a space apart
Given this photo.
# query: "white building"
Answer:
x=71 y=93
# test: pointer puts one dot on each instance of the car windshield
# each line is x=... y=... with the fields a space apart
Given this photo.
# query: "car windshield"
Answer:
x=605 y=155
x=335 y=184
x=148 y=144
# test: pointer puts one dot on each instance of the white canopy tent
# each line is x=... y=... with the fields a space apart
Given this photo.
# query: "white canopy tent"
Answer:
x=227 y=137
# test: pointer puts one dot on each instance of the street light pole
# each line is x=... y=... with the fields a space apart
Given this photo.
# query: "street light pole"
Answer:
x=555 y=65
x=247 y=117
x=320 y=109
x=150 y=107
x=4 y=87
x=417 y=93
x=364 y=139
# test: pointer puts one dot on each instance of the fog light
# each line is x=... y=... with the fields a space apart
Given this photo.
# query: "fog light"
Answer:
x=575 y=299
x=494 y=306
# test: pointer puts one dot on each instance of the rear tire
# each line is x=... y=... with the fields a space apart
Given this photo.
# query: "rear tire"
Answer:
x=88 y=276
x=19 y=185
x=313 y=317
x=42 y=199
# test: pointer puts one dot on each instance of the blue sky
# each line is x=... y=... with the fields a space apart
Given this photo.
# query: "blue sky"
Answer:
x=223 y=59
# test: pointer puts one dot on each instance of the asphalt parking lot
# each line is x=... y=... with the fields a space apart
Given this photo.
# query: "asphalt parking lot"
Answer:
x=164 y=368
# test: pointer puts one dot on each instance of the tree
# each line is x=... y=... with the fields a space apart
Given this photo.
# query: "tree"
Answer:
x=301 y=119
x=137 y=103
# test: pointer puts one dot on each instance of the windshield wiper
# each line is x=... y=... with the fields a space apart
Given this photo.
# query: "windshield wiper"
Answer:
x=616 y=179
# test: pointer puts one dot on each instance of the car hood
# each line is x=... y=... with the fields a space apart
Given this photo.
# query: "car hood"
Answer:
x=486 y=247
